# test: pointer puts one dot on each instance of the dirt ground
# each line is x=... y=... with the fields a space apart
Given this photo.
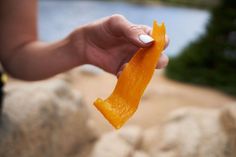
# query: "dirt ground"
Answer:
x=161 y=97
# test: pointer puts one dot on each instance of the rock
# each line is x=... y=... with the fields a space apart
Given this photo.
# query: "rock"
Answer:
x=121 y=143
x=45 y=118
x=187 y=132
x=149 y=136
x=88 y=71
x=140 y=154
x=111 y=145
x=228 y=123
x=193 y=132
x=132 y=135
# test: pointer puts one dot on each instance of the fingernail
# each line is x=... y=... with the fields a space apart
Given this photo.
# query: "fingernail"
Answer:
x=145 y=38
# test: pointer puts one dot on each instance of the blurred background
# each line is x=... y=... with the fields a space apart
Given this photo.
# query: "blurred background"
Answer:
x=188 y=109
x=186 y=22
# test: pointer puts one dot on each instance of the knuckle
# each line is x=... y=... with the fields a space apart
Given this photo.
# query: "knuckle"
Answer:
x=165 y=60
x=145 y=27
x=114 y=20
x=117 y=17
x=135 y=28
x=114 y=24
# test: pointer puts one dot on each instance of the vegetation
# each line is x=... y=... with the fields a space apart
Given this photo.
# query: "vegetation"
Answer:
x=196 y=3
x=211 y=60
x=193 y=3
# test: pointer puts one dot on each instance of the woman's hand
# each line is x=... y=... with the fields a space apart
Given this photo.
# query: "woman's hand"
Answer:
x=109 y=43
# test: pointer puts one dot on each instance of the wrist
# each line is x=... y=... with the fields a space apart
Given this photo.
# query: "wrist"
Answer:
x=75 y=42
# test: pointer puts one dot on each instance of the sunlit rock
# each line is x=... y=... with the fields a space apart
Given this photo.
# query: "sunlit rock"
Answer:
x=43 y=119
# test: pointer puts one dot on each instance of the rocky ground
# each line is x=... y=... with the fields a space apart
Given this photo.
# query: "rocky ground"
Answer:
x=56 y=118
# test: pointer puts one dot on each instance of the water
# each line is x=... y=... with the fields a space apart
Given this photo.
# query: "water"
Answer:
x=58 y=18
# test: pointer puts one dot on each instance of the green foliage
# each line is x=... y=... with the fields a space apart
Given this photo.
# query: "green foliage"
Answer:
x=190 y=3
x=211 y=60
x=195 y=3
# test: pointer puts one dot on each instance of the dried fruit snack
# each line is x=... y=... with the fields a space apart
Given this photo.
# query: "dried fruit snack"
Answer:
x=124 y=100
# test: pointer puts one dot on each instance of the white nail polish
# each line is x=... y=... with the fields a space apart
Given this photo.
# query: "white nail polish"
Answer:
x=145 y=38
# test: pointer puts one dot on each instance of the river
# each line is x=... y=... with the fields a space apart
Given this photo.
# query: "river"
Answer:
x=58 y=18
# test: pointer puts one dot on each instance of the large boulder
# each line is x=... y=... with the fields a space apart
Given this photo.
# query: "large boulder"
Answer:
x=193 y=132
x=44 y=119
x=139 y=153
x=186 y=132
x=122 y=143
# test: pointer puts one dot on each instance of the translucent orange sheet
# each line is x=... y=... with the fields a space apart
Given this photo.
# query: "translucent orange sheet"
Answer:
x=124 y=100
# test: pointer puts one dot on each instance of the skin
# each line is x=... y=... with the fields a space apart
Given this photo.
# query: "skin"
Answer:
x=107 y=43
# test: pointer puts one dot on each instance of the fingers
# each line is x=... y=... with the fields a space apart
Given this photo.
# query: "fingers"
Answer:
x=136 y=34
x=148 y=30
x=167 y=41
x=139 y=35
x=163 y=61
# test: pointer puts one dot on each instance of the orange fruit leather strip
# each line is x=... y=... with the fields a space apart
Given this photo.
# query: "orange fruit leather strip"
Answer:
x=124 y=100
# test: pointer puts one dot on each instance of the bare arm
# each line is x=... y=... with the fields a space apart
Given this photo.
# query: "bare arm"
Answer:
x=107 y=43
x=22 y=55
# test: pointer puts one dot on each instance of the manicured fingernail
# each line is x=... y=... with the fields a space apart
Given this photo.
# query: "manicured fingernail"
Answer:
x=145 y=38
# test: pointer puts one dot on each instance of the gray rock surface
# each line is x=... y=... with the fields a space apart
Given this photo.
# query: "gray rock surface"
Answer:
x=193 y=132
x=186 y=132
x=49 y=119
x=121 y=143
x=132 y=135
x=44 y=119
x=140 y=154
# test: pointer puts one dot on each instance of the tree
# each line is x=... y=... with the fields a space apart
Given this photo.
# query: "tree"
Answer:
x=211 y=60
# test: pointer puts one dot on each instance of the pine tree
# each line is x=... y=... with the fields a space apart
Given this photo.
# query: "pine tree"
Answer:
x=211 y=60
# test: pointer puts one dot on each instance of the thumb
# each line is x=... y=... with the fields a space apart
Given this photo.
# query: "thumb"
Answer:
x=119 y=26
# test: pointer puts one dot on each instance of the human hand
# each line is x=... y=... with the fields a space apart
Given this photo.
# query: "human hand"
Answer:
x=109 y=43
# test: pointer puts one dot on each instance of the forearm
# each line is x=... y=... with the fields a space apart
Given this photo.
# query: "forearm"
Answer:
x=21 y=54
x=36 y=60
